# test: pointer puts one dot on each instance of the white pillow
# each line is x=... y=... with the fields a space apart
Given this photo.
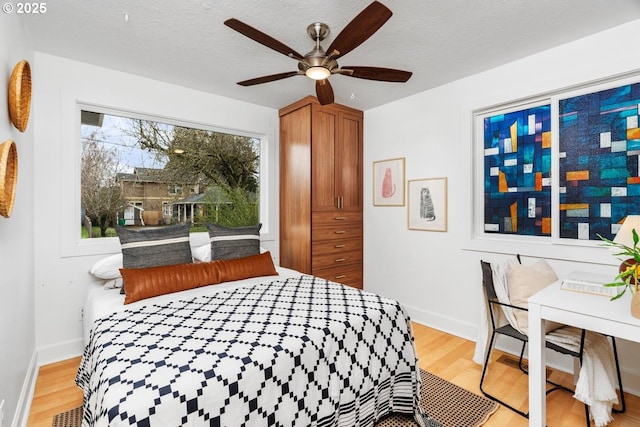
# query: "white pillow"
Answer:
x=113 y=283
x=107 y=268
x=524 y=281
x=203 y=253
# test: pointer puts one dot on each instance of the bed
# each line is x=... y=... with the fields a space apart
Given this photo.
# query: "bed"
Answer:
x=280 y=350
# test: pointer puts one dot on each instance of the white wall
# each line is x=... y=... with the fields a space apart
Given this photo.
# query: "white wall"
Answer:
x=437 y=275
x=17 y=330
x=62 y=263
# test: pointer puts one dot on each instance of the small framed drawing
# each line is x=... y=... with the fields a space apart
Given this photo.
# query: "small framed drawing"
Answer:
x=427 y=206
x=388 y=182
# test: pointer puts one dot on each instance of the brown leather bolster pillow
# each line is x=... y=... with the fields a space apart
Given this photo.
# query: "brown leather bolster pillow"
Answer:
x=141 y=283
x=246 y=267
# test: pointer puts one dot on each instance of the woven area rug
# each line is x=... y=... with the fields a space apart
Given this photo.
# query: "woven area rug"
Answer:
x=446 y=403
x=72 y=418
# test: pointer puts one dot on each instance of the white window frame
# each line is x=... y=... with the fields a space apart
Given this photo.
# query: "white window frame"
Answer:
x=70 y=239
x=589 y=251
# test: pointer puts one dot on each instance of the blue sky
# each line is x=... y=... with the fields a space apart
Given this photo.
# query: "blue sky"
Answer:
x=112 y=134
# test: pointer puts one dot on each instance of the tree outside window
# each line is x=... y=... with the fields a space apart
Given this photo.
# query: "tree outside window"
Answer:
x=142 y=173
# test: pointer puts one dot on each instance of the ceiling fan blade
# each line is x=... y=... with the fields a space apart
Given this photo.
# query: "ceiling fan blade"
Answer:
x=360 y=29
x=377 y=73
x=324 y=92
x=267 y=79
x=262 y=38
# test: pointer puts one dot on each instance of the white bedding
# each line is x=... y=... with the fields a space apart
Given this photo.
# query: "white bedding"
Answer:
x=102 y=301
x=291 y=349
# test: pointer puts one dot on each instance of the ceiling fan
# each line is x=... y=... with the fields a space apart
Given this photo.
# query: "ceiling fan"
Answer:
x=318 y=64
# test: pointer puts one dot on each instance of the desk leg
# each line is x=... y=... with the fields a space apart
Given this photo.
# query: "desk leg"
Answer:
x=537 y=395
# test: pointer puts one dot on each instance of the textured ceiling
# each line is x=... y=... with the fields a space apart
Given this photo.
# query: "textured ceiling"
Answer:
x=186 y=43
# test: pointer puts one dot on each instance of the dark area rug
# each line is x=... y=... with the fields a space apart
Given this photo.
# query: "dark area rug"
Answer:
x=446 y=404
x=72 y=418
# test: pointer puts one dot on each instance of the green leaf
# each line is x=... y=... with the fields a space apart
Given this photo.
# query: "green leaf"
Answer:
x=618 y=296
x=612 y=285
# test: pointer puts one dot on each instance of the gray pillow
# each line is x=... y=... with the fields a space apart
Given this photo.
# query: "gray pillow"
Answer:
x=154 y=247
x=234 y=242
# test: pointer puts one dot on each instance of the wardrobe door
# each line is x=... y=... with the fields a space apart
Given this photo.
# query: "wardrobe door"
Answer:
x=348 y=162
x=323 y=159
x=295 y=186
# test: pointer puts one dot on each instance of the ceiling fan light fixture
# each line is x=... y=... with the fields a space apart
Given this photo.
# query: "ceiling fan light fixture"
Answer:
x=319 y=65
x=317 y=73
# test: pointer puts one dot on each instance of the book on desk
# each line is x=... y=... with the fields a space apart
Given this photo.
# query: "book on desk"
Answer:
x=591 y=283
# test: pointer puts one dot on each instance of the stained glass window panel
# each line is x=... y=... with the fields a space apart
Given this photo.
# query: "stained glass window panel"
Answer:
x=517 y=172
x=599 y=145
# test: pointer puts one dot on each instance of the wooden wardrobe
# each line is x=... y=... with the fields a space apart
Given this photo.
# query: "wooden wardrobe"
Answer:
x=321 y=190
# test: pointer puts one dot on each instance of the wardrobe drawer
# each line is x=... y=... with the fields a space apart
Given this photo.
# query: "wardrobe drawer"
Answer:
x=350 y=275
x=330 y=260
x=335 y=247
x=335 y=232
x=323 y=218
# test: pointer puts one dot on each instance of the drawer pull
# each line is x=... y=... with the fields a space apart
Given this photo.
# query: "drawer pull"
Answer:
x=340 y=246
x=340 y=218
x=342 y=276
x=341 y=260
x=340 y=232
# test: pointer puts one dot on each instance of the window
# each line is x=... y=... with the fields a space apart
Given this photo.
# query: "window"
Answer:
x=561 y=169
x=140 y=172
x=175 y=189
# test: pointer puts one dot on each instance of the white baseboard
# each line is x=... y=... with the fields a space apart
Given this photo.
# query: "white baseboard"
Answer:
x=449 y=325
x=61 y=351
x=630 y=381
x=630 y=374
x=21 y=416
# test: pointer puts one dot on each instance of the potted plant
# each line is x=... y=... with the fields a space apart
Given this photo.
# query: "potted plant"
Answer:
x=628 y=271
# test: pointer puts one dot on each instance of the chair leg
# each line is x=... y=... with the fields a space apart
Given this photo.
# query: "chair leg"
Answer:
x=623 y=405
x=583 y=336
x=486 y=360
x=586 y=415
x=484 y=371
x=556 y=386
x=520 y=365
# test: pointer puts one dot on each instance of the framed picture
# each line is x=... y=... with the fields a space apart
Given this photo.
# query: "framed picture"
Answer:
x=388 y=182
x=427 y=207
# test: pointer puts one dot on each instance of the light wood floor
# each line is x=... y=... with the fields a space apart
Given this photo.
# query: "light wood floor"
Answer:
x=439 y=353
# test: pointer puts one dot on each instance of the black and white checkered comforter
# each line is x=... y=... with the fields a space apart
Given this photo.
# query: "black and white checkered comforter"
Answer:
x=302 y=351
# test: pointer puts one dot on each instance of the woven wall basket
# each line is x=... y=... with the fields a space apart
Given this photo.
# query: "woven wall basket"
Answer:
x=8 y=176
x=20 y=95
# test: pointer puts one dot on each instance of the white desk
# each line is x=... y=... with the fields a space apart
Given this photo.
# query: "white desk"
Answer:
x=586 y=311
